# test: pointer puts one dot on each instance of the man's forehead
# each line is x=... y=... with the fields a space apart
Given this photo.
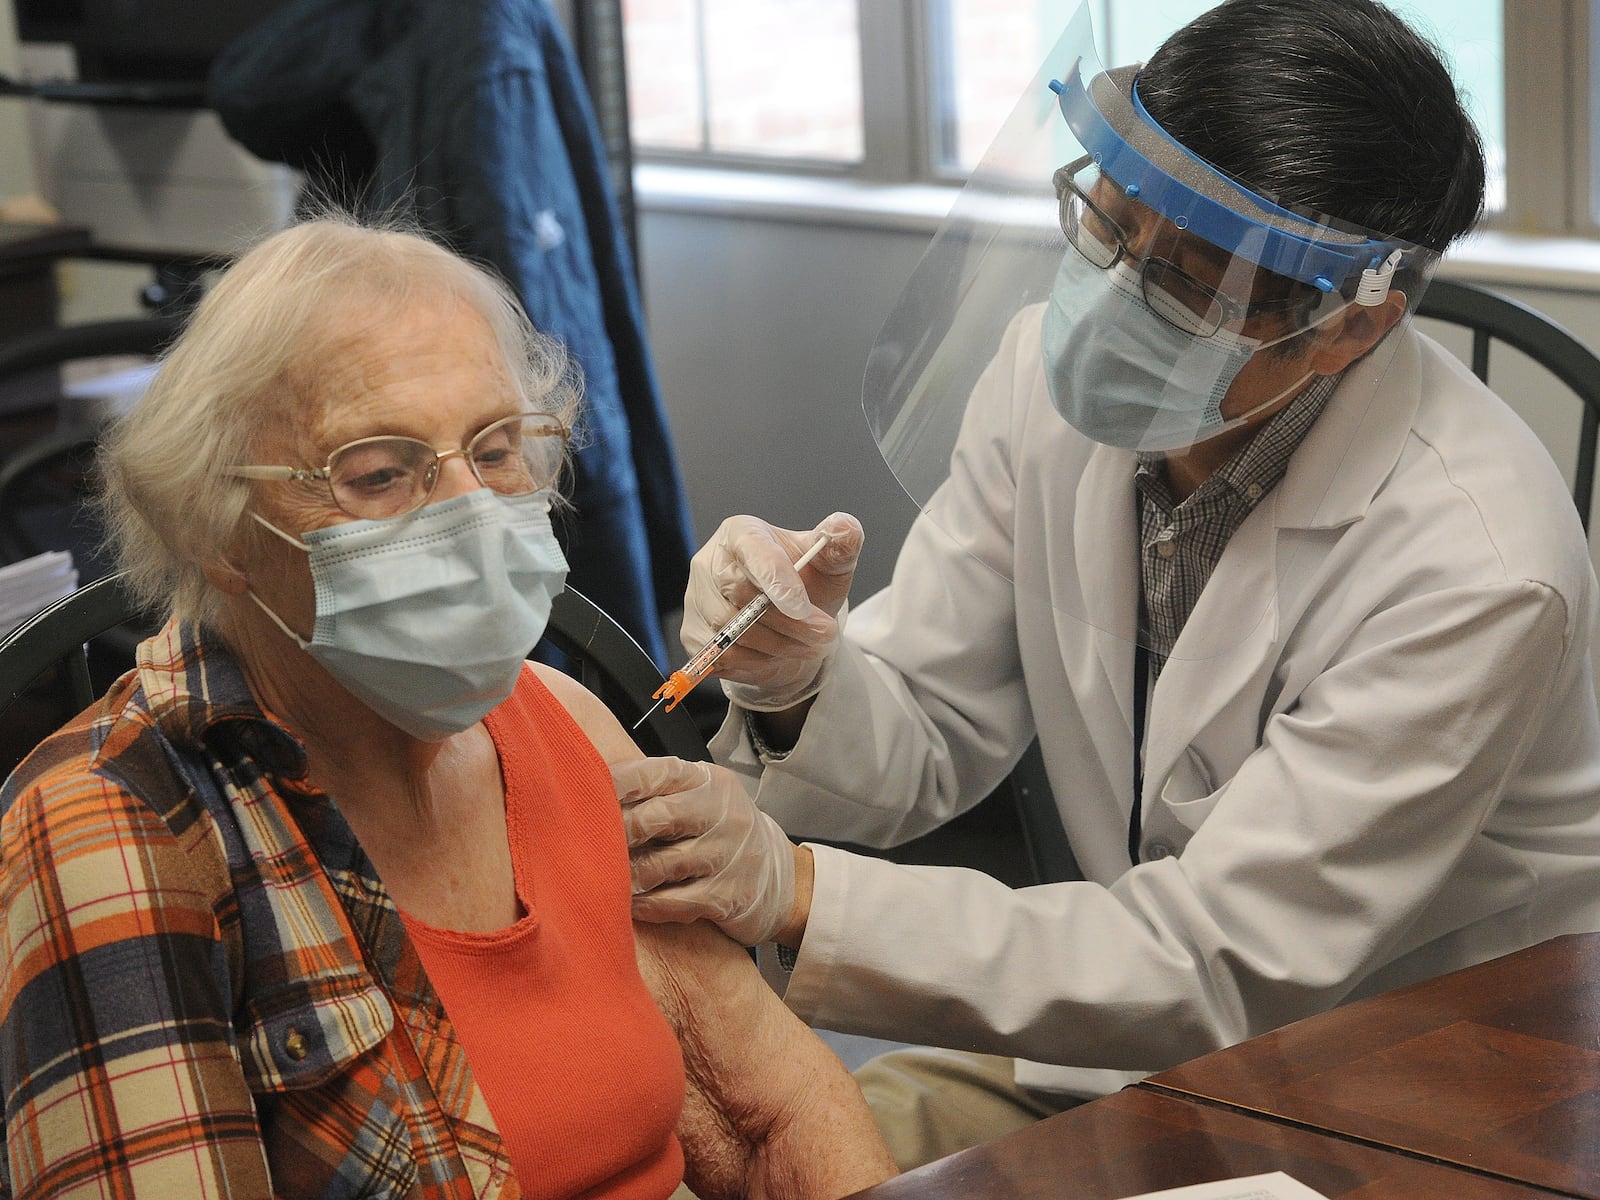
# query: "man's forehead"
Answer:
x=1136 y=217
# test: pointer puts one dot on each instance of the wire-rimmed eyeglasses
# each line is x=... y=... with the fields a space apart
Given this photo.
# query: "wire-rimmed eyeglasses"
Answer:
x=1173 y=294
x=390 y=475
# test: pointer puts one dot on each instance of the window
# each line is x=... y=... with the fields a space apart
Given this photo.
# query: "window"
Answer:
x=900 y=90
x=774 y=78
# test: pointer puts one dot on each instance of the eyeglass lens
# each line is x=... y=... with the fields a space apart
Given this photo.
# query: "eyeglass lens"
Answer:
x=1172 y=293
x=390 y=476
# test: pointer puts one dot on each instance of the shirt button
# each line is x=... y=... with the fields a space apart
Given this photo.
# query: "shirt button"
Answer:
x=1252 y=492
x=294 y=1045
x=1166 y=549
x=1156 y=851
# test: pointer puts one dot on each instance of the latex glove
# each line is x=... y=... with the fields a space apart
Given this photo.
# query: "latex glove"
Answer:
x=779 y=660
x=700 y=848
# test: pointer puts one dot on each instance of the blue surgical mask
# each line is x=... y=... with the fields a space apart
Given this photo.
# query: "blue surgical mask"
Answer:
x=1121 y=375
x=427 y=618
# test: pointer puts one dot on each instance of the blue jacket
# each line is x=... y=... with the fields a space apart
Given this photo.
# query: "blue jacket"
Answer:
x=474 y=115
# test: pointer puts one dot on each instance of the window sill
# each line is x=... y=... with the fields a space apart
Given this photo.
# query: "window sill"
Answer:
x=1490 y=257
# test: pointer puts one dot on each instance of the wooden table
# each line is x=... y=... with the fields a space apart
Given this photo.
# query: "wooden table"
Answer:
x=1496 y=1068
x=1483 y=1083
x=1140 y=1140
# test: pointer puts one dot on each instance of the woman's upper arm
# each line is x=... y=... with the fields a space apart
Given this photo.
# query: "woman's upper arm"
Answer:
x=598 y=722
x=116 y=1052
x=770 y=1110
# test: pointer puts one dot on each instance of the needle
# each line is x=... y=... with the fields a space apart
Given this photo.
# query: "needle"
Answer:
x=682 y=681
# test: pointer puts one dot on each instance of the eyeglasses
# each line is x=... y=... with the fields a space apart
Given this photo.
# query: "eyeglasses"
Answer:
x=389 y=476
x=1173 y=294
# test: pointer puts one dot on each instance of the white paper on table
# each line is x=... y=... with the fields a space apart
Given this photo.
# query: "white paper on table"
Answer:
x=1274 y=1185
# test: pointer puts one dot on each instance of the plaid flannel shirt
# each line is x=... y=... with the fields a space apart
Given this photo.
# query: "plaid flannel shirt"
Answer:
x=206 y=990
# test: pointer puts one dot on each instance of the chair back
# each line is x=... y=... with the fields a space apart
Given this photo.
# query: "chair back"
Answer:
x=47 y=450
x=44 y=501
x=48 y=675
x=53 y=665
x=1493 y=318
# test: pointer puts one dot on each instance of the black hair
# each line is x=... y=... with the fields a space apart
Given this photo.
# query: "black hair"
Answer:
x=1337 y=106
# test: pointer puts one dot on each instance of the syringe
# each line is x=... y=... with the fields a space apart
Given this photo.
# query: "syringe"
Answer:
x=682 y=681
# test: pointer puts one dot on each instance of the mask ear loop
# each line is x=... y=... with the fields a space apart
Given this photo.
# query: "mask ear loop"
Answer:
x=288 y=537
x=1373 y=283
x=262 y=604
x=278 y=621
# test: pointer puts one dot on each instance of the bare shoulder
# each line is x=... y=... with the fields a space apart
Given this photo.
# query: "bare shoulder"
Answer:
x=589 y=711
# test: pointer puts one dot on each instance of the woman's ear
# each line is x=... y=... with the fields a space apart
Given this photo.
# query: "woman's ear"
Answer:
x=1353 y=332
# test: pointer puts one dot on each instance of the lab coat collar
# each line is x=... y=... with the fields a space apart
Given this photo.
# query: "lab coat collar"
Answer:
x=1355 y=443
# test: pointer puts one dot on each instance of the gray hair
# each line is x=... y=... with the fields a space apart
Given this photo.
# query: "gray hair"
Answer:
x=244 y=362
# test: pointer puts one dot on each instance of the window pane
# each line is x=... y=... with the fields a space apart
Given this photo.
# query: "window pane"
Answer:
x=661 y=39
x=1472 y=35
x=986 y=52
x=784 y=78
x=778 y=78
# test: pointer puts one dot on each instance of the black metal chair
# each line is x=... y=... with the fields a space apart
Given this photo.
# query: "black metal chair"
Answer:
x=144 y=337
x=46 y=676
x=41 y=384
x=1493 y=318
x=44 y=478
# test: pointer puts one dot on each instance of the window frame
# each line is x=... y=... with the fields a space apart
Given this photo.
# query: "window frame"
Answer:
x=1552 y=188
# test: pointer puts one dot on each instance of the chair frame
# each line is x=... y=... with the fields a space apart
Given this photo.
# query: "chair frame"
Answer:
x=611 y=664
x=146 y=336
x=1492 y=317
x=15 y=471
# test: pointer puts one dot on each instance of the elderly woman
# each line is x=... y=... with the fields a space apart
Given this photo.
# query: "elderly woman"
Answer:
x=329 y=896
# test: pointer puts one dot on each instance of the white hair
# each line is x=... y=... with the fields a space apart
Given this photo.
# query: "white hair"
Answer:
x=247 y=360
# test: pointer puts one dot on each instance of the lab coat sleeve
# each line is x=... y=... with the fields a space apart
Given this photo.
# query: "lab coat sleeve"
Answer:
x=1315 y=863
x=911 y=728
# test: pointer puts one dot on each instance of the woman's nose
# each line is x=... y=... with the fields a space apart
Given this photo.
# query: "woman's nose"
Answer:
x=455 y=476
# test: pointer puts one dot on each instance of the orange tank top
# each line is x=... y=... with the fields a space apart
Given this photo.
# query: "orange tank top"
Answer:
x=580 y=1070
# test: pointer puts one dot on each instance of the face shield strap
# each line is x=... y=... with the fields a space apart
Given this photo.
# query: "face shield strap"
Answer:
x=1156 y=169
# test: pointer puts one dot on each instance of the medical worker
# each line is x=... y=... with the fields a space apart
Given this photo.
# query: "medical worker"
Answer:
x=1299 y=612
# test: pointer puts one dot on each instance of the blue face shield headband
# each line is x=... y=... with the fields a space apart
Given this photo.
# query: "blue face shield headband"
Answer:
x=1159 y=172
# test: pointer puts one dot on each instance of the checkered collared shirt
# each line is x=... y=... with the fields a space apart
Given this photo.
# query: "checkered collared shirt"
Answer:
x=204 y=988
x=1181 y=542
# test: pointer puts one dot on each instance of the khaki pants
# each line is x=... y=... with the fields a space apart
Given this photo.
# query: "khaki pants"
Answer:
x=929 y=1102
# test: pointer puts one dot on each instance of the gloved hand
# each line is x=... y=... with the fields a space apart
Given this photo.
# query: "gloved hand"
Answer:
x=779 y=661
x=701 y=848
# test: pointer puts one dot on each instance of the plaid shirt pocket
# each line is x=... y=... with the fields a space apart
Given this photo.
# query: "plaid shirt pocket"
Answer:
x=330 y=1096
x=313 y=1029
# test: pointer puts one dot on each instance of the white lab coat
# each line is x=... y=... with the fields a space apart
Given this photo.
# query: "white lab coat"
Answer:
x=1373 y=757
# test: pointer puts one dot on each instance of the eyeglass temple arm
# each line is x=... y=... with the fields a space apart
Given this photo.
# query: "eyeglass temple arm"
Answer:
x=274 y=473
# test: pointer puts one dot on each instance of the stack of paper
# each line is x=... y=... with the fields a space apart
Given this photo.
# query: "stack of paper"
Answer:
x=33 y=583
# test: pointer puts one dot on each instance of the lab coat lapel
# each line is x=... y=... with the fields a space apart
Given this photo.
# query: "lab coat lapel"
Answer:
x=1226 y=649
x=1107 y=562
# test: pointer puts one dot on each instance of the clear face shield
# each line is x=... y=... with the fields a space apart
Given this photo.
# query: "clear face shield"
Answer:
x=1161 y=290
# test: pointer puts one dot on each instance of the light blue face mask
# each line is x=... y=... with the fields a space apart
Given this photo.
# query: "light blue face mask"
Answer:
x=427 y=618
x=1123 y=376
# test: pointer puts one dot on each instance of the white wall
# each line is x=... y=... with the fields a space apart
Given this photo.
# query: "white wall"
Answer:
x=760 y=330
x=16 y=163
